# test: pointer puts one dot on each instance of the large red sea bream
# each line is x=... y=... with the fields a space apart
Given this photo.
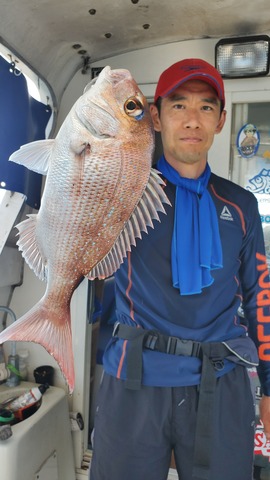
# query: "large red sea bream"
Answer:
x=100 y=193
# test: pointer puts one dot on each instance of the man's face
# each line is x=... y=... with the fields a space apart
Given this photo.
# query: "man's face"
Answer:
x=188 y=121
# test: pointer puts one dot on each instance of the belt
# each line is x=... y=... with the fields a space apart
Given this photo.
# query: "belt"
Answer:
x=152 y=340
x=212 y=355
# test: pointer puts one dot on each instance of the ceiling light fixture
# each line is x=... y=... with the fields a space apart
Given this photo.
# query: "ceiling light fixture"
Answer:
x=243 y=57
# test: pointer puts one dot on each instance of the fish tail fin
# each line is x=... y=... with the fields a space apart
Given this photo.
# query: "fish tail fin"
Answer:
x=41 y=325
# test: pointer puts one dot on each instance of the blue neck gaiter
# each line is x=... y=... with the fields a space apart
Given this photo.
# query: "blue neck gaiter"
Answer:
x=196 y=246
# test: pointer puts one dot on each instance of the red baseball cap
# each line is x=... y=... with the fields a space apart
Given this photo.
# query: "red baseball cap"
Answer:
x=189 y=69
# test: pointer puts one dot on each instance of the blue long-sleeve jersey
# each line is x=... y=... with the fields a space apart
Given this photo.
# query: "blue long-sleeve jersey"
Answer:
x=146 y=297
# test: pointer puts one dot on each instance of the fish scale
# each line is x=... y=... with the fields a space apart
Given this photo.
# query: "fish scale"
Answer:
x=100 y=194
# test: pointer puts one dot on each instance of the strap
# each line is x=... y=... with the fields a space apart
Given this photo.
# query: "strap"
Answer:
x=134 y=356
x=204 y=425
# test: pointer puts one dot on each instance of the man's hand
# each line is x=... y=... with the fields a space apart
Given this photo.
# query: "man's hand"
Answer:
x=265 y=415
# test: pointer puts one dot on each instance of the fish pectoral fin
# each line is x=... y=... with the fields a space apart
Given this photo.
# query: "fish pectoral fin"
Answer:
x=34 y=156
x=28 y=246
x=51 y=330
x=146 y=210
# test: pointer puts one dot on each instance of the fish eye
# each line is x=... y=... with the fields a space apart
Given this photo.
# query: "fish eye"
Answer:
x=134 y=108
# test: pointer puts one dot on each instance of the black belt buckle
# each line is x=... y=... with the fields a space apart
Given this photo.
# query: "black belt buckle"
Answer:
x=150 y=341
x=179 y=346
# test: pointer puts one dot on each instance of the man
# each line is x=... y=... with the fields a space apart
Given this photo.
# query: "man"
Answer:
x=175 y=370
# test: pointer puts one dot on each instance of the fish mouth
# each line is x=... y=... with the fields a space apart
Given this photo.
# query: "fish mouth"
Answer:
x=90 y=84
x=116 y=76
x=100 y=111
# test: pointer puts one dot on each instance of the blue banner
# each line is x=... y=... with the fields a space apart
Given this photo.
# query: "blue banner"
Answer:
x=22 y=120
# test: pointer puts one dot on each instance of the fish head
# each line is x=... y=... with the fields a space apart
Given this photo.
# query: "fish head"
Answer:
x=113 y=107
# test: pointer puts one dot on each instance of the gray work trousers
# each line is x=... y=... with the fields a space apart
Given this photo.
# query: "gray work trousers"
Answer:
x=136 y=431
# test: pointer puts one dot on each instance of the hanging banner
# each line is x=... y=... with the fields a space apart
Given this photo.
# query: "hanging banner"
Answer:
x=22 y=120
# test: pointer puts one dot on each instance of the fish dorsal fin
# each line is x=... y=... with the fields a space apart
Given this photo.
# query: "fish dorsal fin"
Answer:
x=28 y=246
x=146 y=210
x=34 y=155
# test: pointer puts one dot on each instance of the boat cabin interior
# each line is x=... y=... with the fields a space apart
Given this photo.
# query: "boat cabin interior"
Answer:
x=49 y=52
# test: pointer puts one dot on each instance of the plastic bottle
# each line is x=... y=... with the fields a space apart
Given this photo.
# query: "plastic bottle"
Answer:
x=28 y=398
x=24 y=356
x=13 y=365
x=23 y=370
x=23 y=363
